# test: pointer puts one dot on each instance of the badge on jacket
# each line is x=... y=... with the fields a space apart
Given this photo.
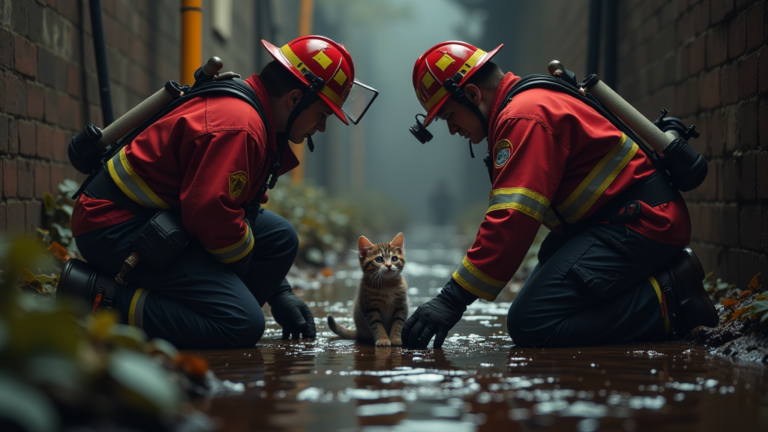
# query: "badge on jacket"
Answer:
x=503 y=150
x=237 y=182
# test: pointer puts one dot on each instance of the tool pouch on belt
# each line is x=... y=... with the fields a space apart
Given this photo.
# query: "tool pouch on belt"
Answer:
x=161 y=240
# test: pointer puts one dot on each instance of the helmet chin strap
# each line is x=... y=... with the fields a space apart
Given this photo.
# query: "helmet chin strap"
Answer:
x=457 y=94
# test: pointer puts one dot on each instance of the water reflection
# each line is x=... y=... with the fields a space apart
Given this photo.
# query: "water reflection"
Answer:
x=479 y=381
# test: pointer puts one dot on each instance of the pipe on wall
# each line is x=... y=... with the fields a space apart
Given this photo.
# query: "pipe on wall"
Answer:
x=100 y=54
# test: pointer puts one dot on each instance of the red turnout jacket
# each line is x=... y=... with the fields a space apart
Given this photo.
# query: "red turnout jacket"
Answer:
x=549 y=149
x=206 y=159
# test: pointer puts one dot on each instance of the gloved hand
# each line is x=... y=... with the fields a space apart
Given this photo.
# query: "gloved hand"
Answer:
x=436 y=317
x=292 y=314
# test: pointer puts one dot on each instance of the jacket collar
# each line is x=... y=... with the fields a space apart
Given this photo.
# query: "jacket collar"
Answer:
x=504 y=87
x=289 y=161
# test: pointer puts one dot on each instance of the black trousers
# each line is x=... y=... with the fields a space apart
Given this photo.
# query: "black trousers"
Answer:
x=197 y=302
x=591 y=290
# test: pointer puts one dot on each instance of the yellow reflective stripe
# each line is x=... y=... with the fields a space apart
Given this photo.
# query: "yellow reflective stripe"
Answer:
x=298 y=64
x=136 y=311
x=477 y=282
x=236 y=251
x=520 y=199
x=519 y=207
x=131 y=184
x=472 y=61
x=656 y=288
x=595 y=183
x=436 y=98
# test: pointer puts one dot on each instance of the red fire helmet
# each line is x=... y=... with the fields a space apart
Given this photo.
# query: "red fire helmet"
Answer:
x=441 y=62
x=325 y=59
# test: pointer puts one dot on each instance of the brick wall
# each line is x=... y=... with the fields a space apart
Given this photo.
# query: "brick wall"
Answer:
x=707 y=62
x=50 y=91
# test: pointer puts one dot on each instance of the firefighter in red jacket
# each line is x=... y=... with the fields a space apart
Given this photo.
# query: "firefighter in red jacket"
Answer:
x=206 y=161
x=613 y=269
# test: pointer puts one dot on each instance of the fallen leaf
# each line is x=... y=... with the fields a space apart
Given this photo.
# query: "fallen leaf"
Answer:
x=192 y=365
x=30 y=279
x=60 y=251
x=327 y=272
x=754 y=284
x=729 y=302
x=745 y=294
x=739 y=312
x=762 y=297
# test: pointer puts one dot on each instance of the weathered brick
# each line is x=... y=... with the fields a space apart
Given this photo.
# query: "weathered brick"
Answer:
x=698 y=55
x=35 y=22
x=4 y=132
x=57 y=176
x=19 y=13
x=42 y=179
x=743 y=4
x=3 y=218
x=730 y=181
x=60 y=141
x=729 y=84
x=737 y=36
x=702 y=12
x=10 y=179
x=748 y=176
x=755 y=26
x=24 y=57
x=74 y=81
x=69 y=9
x=26 y=175
x=731 y=129
x=763 y=70
x=51 y=106
x=6 y=49
x=762 y=175
x=717 y=46
x=27 y=139
x=710 y=89
x=44 y=142
x=16 y=221
x=46 y=67
x=748 y=79
x=748 y=115
x=730 y=226
x=722 y=10
x=15 y=95
x=35 y=101
x=13 y=137
x=34 y=215
x=750 y=225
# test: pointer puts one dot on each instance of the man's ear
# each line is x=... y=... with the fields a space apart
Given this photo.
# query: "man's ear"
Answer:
x=473 y=93
x=293 y=98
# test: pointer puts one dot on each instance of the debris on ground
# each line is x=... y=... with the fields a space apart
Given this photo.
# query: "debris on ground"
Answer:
x=743 y=329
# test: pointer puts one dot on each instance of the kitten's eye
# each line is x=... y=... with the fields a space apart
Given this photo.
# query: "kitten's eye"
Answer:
x=379 y=259
x=394 y=259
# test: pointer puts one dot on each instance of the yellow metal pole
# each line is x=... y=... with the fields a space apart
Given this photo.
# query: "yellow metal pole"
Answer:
x=306 y=10
x=191 y=39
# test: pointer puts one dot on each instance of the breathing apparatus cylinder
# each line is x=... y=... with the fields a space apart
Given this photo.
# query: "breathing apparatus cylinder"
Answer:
x=686 y=167
x=87 y=148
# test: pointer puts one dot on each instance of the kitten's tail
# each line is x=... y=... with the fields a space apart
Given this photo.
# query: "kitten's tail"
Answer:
x=341 y=330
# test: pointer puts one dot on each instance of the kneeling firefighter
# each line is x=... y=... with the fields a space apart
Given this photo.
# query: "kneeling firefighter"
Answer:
x=577 y=158
x=169 y=219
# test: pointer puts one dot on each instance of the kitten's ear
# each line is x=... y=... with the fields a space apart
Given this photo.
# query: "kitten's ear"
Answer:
x=398 y=241
x=364 y=245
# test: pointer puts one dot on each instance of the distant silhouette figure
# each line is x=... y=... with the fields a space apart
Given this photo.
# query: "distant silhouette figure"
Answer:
x=440 y=204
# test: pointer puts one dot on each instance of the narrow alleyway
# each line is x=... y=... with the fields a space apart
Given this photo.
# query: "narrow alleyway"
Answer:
x=479 y=381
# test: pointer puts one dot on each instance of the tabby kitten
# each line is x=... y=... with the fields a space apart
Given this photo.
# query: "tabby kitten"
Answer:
x=381 y=305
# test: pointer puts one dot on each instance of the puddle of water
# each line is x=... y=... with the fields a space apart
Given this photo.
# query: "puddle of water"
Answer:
x=480 y=381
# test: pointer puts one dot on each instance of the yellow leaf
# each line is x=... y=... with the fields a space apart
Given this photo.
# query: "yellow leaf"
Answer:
x=60 y=251
x=48 y=202
x=100 y=323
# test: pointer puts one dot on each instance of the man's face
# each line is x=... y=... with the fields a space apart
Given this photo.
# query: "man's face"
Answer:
x=310 y=121
x=461 y=121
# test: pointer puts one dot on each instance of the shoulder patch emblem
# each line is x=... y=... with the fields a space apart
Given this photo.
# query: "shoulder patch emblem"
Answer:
x=237 y=182
x=503 y=151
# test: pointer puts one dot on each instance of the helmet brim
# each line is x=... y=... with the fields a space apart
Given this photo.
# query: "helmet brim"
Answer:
x=436 y=108
x=278 y=55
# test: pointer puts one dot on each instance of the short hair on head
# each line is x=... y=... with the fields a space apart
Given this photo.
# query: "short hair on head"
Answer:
x=488 y=77
x=278 y=80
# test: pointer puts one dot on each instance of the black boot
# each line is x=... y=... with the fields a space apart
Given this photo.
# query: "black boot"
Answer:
x=80 y=281
x=688 y=304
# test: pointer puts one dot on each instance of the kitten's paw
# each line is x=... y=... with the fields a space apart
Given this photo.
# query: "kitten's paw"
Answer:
x=383 y=342
x=396 y=341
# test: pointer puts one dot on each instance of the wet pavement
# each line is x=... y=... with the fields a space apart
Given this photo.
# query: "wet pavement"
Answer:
x=479 y=381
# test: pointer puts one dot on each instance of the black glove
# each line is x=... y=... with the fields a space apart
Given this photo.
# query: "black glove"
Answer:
x=436 y=317
x=292 y=314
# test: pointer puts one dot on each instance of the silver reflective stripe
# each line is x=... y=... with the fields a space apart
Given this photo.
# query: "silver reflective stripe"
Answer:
x=237 y=251
x=131 y=184
x=520 y=199
x=474 y=281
